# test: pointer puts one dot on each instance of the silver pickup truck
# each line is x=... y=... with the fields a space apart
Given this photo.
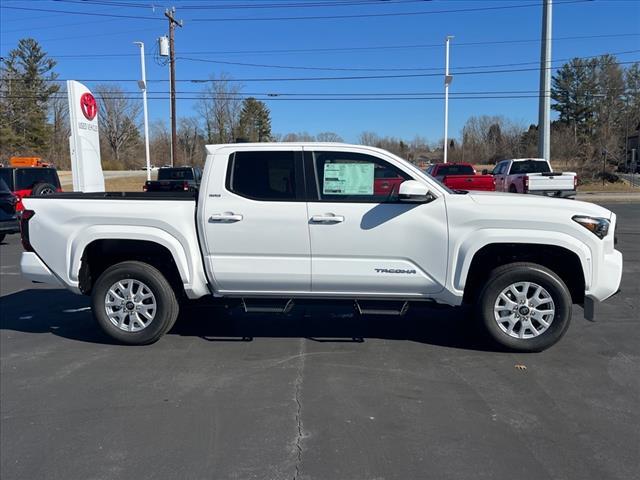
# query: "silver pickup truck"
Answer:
x=533 y=175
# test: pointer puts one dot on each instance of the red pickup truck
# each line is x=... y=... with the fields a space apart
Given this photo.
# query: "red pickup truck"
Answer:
x=461 y=176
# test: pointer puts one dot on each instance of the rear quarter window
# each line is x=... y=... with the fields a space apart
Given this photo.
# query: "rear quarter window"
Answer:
x=27 y=178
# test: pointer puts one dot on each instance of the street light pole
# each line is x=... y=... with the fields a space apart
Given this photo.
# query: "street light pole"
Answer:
x=143 y=86
x=447 y=80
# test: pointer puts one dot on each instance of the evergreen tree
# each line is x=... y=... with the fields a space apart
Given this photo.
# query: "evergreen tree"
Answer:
x=26 y=86
x=255 y=121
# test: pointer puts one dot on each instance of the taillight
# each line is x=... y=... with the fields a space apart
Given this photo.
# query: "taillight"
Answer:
x=575 y=182
x=144 y=187
x=25 y=216
x=526 y=183
x=185 y=186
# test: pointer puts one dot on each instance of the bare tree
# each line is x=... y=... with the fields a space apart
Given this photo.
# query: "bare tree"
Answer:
x=160 y=144
x=219 y=107
x=118 y=117
x=298 y=137
x=369 y=138
x=329 y=137
x=60 y=131
x=190 y=141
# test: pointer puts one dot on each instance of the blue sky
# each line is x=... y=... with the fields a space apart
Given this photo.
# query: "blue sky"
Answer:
x=613 y=25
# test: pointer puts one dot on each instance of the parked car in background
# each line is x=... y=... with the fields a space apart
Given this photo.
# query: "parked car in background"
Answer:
x=175 y=179
x=30 y=182
x=461 y=176
x=8 y=219
x=534 y=175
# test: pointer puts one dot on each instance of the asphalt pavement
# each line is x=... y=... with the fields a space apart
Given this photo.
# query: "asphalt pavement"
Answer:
x=316 y=394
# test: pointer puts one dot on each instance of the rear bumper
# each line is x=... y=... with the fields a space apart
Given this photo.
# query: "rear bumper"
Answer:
x=35 y=270
x=554 y=193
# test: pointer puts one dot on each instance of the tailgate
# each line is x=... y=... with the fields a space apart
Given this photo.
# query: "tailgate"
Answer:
x=469 y=182
x=538 y=181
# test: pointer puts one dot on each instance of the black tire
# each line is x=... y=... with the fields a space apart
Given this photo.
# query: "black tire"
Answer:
x=166 y=312
x=42 y=189
x=506 y=275
x=2 y=235
x=513 y=189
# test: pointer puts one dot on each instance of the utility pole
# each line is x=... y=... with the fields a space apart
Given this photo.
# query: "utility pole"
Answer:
x=169 y=13
x=447 y=80
x=143 y=86
x=544 y=112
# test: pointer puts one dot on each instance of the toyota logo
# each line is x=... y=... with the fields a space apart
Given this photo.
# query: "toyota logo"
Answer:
x=88 y=106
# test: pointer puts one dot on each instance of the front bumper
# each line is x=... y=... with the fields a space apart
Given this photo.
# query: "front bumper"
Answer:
x=606 y=284
x=35 y=270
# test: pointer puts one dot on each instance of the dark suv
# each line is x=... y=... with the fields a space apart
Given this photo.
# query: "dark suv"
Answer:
x=8 y=219
x=175 y=179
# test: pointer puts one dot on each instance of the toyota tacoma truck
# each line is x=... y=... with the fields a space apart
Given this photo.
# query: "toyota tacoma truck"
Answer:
x=277 y=224
x=462 y=176
x=534 y=175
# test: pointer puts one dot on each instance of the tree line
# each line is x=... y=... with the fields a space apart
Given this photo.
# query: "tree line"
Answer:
x=597 y=101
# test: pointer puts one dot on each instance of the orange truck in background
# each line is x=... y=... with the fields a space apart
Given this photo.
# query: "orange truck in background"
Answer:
x=27 y=162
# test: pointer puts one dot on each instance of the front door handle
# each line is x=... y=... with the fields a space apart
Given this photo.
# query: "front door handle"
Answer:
x=226 y=217
x=327 y=218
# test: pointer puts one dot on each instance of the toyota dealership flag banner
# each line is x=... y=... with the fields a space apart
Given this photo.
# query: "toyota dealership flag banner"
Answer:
x=84 y=141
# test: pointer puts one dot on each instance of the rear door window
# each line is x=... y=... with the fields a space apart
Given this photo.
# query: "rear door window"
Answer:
x=27 y=178
x=530 y=166
x=453 y=169
x=175 y=174
x=268 y=176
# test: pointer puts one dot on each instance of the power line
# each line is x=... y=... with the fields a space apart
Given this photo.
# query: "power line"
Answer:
x=364 y=69
x=311 y=17
x=347 y=77
x=348 y=49
x=378 y=15
x=255 y=5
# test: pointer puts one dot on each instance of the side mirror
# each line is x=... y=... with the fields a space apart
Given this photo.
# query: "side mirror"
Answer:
x=414 y=191
x=485 y=171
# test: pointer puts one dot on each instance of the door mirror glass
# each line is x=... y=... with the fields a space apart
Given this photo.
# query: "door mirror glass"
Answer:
x=414 y=191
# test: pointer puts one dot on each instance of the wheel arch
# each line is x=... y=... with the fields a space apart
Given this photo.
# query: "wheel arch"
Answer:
x=566 y=263
x=506 y=245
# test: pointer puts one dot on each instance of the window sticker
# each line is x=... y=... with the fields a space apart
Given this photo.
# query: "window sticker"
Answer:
x=348 y=179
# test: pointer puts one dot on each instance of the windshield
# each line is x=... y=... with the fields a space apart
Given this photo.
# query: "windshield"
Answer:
x=175 y=174
x=530 y=166
x=454 y=169
x=26 y=178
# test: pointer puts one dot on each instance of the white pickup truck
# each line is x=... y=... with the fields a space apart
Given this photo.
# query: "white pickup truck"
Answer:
x=533 y=175
x=277 y=224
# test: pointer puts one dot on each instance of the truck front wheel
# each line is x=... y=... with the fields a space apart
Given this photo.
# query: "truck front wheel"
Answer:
x=525 y=307
x=134 y=303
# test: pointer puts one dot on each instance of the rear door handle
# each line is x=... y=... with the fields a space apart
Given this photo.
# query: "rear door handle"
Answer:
x=226 y=217
x=327 y=218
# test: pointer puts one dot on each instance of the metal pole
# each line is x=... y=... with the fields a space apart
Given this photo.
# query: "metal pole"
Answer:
x=544 y=112
x=447 y=80
x=172 y=71
x=143 y=86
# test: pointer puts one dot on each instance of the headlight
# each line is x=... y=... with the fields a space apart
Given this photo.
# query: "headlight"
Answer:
x=598 y=226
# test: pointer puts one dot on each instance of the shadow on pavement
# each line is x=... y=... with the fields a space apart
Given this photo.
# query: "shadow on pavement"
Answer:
x=64 y=314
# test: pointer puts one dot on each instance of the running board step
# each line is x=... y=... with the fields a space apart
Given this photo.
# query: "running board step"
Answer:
x=378 y=307
x=267 y=305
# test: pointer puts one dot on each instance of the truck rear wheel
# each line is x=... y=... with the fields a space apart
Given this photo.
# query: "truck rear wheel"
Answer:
x=525 y=307
x=134 y=303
